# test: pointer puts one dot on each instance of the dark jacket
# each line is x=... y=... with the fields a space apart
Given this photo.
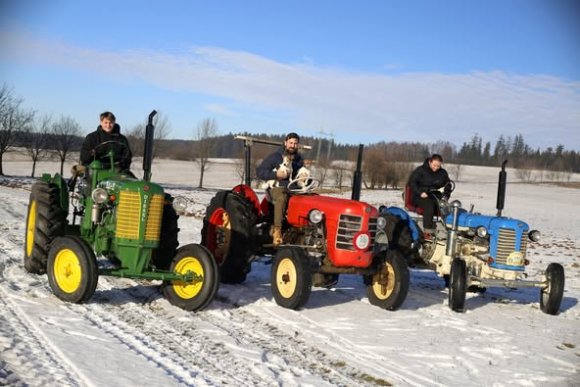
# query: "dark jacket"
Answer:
x=267 y=169
x=423 y=179
x=122 y=153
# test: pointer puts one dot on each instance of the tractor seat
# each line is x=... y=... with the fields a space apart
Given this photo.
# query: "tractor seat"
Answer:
x=407 y=198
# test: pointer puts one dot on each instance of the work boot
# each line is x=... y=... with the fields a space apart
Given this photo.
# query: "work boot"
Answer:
x=276 y=235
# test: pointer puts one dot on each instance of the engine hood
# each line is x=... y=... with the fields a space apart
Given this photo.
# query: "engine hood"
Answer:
x=467 y=219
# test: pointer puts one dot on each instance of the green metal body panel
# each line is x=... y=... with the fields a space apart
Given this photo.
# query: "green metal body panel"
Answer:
x=126 y=226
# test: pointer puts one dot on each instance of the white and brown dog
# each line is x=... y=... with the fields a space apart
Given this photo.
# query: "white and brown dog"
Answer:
x=303 y=174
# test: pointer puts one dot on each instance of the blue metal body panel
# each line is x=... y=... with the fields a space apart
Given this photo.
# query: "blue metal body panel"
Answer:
x=496 y=225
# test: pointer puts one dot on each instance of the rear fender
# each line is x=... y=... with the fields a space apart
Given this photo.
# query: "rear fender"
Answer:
x=248 y=193
x=402 y=214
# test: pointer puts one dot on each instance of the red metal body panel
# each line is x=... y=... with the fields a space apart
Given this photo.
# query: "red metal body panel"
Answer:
x=297 y=215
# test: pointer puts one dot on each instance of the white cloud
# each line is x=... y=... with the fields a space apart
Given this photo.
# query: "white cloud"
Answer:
x=354 y=105
x=219 y=109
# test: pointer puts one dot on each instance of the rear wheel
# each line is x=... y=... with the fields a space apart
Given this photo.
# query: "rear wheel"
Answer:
x=45 y=221
x=227 y=233
x=388 y=287
x=72 y=269
x=457 y=285
x=291 y=278
x=401 y=238
x=168 y=242
x=551 y=296
x=197 y=294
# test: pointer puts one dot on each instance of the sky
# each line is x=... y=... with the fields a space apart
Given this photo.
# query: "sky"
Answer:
x=357 y=72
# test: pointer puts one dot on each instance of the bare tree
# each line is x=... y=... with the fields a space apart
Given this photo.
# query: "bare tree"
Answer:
x=13 y=119
x=203 y=145
x=374 y=169
x=456 y=170
x=136 y=135
x=321 y=170
x=66 y=133
x=36 y=140
x=340 y=172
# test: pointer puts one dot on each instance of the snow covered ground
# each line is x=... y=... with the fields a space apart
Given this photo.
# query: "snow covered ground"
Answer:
x=129 y=335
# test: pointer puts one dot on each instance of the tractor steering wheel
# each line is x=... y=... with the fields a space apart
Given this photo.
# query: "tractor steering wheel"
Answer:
x=302 y=185
x=105 y=156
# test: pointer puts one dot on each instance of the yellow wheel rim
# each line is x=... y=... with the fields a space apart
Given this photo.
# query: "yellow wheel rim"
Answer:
x=67 y=271
x=286 y=278
x=384 y=282
x=188 y=290
x=30 y=228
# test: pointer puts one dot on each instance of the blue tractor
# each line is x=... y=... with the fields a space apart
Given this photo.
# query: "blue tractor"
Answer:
x=472 y=251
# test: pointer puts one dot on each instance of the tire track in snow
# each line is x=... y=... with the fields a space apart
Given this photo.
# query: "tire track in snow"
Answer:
x=23 y=346
x=273 y=340
x=263 y=341
x=177 y=344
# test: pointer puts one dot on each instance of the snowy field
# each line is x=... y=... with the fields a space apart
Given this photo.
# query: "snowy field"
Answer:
x=129 y=335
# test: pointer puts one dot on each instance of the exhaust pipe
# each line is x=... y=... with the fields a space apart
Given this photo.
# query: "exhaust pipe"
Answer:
x=148 y=147
x=501 y=188
x=357 y=177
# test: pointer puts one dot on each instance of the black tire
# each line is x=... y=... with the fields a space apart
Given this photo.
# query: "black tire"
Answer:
x=388 y=287
x=45 y=221
x=291 y=278
x=551 y=296
x=227 y=233
x=168 y=238
x=400 y=237
x=72 y=269
x=457 y=285
x=193 y=296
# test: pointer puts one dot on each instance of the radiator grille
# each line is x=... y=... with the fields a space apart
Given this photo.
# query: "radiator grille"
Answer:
x=128 y=215
x=348 y=227
x=524 y=243
x=153 y=228
x=506 y=244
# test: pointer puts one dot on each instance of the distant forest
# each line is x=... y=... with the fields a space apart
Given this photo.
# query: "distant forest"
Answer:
x=476 y=152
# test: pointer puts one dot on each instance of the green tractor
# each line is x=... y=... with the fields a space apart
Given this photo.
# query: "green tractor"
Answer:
x=130 y=224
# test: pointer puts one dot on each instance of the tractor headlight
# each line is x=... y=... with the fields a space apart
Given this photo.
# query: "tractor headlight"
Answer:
x=455 y=203
x=534 y=235
x=315 y=216
x=481 y=231
x=179 y=204
x=381 y=223
x=362 y=241
x=99 y=195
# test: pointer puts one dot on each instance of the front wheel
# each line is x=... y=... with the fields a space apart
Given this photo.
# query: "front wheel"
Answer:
x=457 y=285
x=388 y=287
x=551 y=296
x=291 y=278
x=72 y=269
x=197 y=294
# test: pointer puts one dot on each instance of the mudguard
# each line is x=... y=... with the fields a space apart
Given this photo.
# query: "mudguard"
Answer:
x=402 y=214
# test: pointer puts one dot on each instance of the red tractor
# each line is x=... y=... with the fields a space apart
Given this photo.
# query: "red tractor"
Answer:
x=323 y=237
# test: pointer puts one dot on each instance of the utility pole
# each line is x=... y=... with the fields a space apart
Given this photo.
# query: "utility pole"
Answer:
x=326 y=135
